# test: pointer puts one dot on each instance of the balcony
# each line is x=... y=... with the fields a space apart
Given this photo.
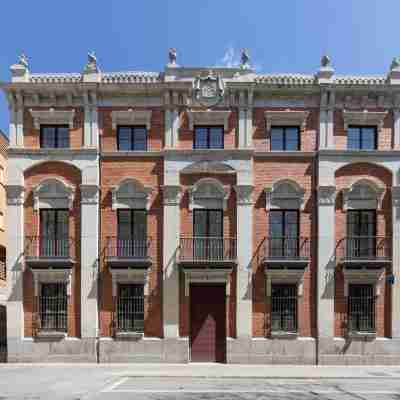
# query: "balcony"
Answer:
x=46 y=252
x=286 y=252
x=205 y=251
x=127 y=253
x=365 y=251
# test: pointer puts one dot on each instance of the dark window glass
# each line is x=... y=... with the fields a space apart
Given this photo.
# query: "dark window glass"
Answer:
x=208 y=234
x=56 y=136
x=361 y=308
x=284 y=233
x=53 y=302
x=130 y=308
x=132 y=233
x=284 y=308
x=285 y=138
x=361 y=231
x=132 y=138
x=361 y=138
x=54 y=228
x=208 y=137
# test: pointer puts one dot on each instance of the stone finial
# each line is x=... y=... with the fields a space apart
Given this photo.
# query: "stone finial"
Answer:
x=394 y=72
x=244 y=59
x=91 y=65
x=172 y=57
x=326 y=71
x=395 y=65
x=91 y=73
x=23 y=60
x=20 y=70
x=325 y=61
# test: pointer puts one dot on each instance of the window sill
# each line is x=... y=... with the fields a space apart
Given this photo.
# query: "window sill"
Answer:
x=129 y=335
x=284 y=335
x=50 y=336
x=362 y=335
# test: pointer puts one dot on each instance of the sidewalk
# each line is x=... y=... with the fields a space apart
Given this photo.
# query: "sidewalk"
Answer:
x=209 y=370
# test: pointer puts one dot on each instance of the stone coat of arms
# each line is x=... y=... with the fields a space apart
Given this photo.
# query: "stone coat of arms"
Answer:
x=209 y=90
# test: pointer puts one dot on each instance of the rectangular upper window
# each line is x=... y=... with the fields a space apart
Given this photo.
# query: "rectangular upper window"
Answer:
x=208 y=137
x=54 y=136
x=54 y=233
x=131 y=138
x=361 y=138
x=132 y=231
x=285 y=138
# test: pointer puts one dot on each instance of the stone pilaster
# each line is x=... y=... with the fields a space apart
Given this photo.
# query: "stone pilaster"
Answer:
x=326 y=260
x=89 y=259
x=15 y=251
x=244 y=213
x=171 y=228
x=396 y=262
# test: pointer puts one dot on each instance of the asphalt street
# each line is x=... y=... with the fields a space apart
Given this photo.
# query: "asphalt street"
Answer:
x=34 y=382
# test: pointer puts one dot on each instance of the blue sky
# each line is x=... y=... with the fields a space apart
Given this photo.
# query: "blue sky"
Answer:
x=361 y=36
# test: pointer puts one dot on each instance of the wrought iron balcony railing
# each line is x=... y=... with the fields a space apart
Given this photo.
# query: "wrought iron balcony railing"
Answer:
x=131 y=250
x=353 y=249
x=286 y=249
x=45 y=248
x=206 y=249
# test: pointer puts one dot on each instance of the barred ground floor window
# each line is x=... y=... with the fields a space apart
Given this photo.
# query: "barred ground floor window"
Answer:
x=284 y=308
x=130 y=307
x=361 y=308
x=53 y=305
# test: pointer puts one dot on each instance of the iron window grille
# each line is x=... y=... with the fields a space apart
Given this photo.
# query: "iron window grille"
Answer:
x=362 y=138
x=208 y=137
x=53 y=302
x=284 y=308
x=54 y=136
x=285 y=138
x=132 y=138
x=361 y=308
x=130 y=308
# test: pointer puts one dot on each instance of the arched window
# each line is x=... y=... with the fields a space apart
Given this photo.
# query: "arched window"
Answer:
x=131 y=193
x=53 y=193
x=208 y=193
x=284 y=194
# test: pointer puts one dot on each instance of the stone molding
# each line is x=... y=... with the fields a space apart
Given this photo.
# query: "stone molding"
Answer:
x=15 y=195
x=363 y=276
x=90 y=194
x=53 y=192
x=244 y=195
x=287 y=117
x=52 y=117
x=284 y=193
x=208 y=193
x=52 y=276
x=326 y=195
x=284 y=276
x=131 y=193
x=172 y=195
x=198 y=117
x=207 y=276
x=130 y=275
x=131 y=117
x=363 y=194
x=364 y=118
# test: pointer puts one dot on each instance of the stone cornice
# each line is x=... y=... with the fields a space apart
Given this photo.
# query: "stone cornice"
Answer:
x=132 y=154
x=284 y=154
x=18 y=151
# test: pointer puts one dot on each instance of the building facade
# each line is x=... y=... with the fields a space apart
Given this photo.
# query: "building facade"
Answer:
x=203 y=214
x=3 y=165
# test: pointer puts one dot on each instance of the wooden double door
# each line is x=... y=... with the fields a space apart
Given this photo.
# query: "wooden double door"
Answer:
x=207 y=323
